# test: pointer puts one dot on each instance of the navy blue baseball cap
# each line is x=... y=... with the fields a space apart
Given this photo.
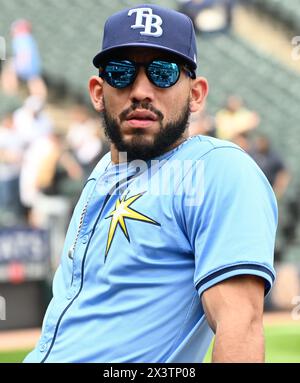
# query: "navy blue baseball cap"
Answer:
x=149 y=26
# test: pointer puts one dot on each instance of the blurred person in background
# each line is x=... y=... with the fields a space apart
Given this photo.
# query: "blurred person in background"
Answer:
x=25 y=65
x=209 y=16
x=202 y=123
x=48 y=171
x=10 y=161
x=271 y=164
x=243 y=140
x=235 y=119
x=84 y=139
x=31 y=121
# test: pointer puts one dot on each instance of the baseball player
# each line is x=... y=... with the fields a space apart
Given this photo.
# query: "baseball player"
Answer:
x=172 y=238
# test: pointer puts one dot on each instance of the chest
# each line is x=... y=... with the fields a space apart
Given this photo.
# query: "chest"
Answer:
x=131 y=225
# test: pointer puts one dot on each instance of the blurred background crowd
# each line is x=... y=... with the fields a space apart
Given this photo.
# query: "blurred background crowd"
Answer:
x=50 y=139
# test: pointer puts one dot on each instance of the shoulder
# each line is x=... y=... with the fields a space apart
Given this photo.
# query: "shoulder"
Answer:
x=217 y=154
x=200 y=146
x=223 y=166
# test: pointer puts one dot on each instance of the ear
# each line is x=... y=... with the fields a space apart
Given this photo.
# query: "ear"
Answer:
x=96 y=92
x=199 y=91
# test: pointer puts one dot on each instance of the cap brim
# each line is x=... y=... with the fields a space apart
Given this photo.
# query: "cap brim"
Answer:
x=103 y=55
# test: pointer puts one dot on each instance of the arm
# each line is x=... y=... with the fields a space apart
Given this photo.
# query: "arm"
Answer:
x=281 y=183
x=10 y=156
x=71 y=166
x=234 y=310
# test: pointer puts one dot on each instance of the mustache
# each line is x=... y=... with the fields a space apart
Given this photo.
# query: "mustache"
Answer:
x=141 y=105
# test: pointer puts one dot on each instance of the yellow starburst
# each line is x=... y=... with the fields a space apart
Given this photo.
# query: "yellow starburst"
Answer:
x=123 y=210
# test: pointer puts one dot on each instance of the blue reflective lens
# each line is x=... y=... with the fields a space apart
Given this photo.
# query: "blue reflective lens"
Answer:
x=163 y=73
x=119 y=74
x=122 y=73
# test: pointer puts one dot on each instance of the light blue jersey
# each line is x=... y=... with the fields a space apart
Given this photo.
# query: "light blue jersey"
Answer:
x=143 y=245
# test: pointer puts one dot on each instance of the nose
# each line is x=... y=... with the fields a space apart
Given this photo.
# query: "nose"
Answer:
x=142 y=89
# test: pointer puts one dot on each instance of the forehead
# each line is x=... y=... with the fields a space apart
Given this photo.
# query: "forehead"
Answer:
x=144 y=54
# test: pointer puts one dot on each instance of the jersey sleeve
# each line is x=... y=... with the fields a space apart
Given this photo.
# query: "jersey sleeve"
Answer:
x=232 y=228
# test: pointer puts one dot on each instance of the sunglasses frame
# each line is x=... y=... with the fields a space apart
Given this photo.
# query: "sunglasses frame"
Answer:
x=103 y=74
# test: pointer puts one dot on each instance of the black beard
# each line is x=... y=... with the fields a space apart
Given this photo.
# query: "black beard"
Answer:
x=137 y=149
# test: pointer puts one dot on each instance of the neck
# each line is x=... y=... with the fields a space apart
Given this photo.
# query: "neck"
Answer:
x=117 y=157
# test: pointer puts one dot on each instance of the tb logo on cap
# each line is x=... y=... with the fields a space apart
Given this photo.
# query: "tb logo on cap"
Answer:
x=151 y=21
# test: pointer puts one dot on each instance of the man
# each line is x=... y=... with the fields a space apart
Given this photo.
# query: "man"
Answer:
x=11 y=152
x=235 y=120
x=172 y=238
x=271 y=164
x=25 y=65
x=201 y=122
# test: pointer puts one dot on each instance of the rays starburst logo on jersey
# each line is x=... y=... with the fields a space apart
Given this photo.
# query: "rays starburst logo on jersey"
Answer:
x=121 y=212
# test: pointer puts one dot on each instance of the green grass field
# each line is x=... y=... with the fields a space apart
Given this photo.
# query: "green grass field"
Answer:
x=282 y=345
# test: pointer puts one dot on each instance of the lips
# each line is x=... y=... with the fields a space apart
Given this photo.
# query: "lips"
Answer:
x=141 y=119
x=141 y=115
